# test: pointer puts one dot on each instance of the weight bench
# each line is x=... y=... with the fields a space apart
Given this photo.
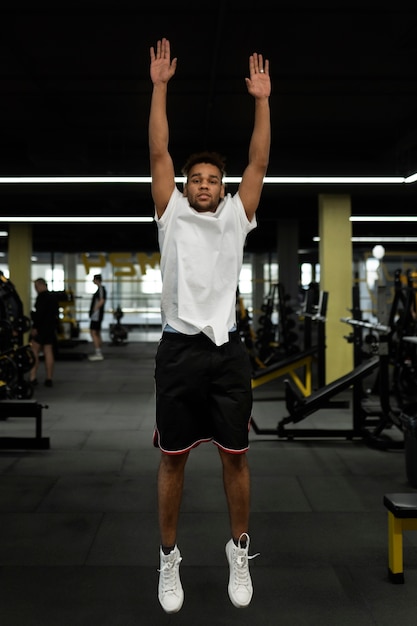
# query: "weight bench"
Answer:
x=23 y=408
x=402 y=515
x=300 y=407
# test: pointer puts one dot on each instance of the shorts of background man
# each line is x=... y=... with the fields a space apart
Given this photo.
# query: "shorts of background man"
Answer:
x=45 y=338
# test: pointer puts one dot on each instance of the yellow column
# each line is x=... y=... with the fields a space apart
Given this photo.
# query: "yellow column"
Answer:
x=20 y=263
x=336 y=277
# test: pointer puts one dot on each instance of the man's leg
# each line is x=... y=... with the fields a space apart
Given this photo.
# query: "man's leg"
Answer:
x=48 y=353
x=236 y=480
x=97 y=342
x=35 y=349
x=170 y=486
x=93 y=334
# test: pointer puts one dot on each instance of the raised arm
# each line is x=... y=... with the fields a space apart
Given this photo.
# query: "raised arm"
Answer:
x=162 y=69
x=259 y=86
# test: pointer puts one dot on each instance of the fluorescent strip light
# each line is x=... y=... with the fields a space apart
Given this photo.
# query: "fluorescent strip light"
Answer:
x=385 y=239
x=331 y=180
x=30 y=180
x=314 y=180
x=378 y=239
x=383 y=218
x=76 y=220
x=274 y=180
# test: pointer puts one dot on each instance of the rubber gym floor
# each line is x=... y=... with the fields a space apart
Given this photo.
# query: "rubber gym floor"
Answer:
x=78 y=520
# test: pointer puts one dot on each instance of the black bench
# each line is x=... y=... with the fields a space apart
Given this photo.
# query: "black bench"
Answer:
x=23 y=408
x=300 y=407
x=402 y=515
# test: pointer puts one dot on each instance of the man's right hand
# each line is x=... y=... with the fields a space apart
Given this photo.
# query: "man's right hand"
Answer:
x=162 y=68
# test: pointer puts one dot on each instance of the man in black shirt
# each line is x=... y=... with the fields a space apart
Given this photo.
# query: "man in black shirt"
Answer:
x=45 y=319
x=96 y=317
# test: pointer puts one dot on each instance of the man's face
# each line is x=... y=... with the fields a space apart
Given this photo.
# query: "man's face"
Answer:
x=204 y=189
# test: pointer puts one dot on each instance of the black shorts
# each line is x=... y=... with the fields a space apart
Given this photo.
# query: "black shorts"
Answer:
x=203 y=393
x=45 y=337
x=95 y=325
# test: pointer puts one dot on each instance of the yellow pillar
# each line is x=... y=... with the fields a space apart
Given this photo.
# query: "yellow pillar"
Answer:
x=336 y=277
x=20 y=262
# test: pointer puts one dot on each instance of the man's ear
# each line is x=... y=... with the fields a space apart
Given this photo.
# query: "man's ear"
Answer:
x=223 y=191
x=184 y=190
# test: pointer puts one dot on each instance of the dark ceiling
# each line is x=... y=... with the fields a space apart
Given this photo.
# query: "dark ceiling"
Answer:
x=75 y=92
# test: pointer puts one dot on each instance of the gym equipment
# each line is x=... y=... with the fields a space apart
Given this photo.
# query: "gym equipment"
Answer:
x=68 y=332
x=288 y=337
x=15 y=360
x=286 y=341
x=365 y=424
x=11 y=312
x=68 y=329
x=272 y=342
x=266 y=335
x=300 y=407
x=299 y=360
x=118 y=333
x=24 y=408
x=403 y=347
x=408 y=425
x=294 y=359
x=370 y=353
x=14 y=364
x=402 y=515
x=247 y=332
x=302 y=360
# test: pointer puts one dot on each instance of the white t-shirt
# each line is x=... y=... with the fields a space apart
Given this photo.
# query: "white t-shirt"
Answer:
x=201 y=259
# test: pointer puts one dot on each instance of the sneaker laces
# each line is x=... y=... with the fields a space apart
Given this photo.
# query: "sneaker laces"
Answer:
x=169 y=574
x=241 y=558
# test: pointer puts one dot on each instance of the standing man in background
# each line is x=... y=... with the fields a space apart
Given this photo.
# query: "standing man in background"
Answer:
x=45 y=320
x=98 y=302
x=202 y=370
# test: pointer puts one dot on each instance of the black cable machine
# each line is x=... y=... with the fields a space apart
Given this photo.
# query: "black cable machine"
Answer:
x=299 y=366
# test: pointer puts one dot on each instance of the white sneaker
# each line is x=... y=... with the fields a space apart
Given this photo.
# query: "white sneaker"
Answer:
x=170 y=592
x=240 y=584
x=96 y=357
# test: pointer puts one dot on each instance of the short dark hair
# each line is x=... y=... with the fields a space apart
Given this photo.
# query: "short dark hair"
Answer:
x=215 y=158
x=97 y=277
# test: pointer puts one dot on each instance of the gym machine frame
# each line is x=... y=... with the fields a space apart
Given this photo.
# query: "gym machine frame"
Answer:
x=300 y=407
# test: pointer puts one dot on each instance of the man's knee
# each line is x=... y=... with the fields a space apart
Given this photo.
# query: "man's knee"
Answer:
x=235 y=461
x=173 y=462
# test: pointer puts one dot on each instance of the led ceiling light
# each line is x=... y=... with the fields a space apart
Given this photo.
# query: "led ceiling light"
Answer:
x=77 y=220
x=274 y=180
x=383 y=218
x=374 y=239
